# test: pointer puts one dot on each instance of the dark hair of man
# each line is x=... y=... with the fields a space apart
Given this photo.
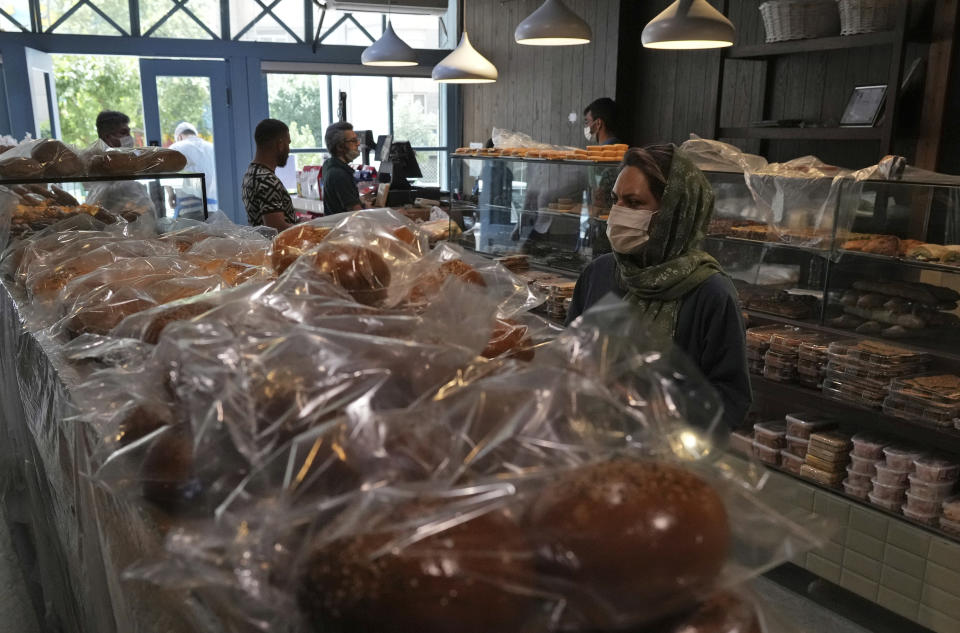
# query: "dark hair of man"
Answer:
x=268 y=131
x=603 y=108
x=654 y=161
x=109 y=120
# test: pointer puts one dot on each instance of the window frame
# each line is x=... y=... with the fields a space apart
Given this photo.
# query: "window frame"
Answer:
x=329 y=71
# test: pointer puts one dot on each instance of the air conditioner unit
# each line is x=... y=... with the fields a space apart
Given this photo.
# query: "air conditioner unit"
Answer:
x=420 y=7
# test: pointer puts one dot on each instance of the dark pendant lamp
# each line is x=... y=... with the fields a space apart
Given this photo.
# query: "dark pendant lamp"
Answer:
x=553 y=24
x=689 y=24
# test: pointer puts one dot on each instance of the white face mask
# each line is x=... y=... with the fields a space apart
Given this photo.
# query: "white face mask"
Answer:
x=629 y=229
x=352 y=154
x=587 y=134
x=126 y=141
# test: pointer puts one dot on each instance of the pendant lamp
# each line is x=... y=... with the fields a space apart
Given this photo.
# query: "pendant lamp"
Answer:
x=689 y=24
x=553 y=24
x=464 y=65
x=389 y=50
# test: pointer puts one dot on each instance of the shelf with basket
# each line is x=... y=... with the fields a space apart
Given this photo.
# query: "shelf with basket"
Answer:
x=816 y=26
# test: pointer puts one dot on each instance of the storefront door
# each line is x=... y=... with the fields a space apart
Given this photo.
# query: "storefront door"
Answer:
x=198 y=93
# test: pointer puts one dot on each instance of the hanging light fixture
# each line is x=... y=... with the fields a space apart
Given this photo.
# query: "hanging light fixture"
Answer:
x=689 y=24
x=389 y=50
x=464 y=65
x=553 y=24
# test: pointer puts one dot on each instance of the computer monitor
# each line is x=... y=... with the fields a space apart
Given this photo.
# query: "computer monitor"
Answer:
x=401 y=164
x=382 y=140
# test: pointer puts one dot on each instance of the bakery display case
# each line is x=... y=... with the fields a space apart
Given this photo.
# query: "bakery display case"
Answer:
x=43 y=201
x=852 y=305
x=544 y=217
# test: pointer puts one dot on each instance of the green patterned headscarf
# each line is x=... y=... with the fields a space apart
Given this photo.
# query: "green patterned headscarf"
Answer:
x=671 y=263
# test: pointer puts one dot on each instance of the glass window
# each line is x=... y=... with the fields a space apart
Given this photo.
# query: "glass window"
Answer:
x=40 y=98
x=432 y=166
x=180 y=24
x=366 y=102
x=348 y=33
x=87 y=84
x=282 y=24
x=416 y=111
x=86 y=21
x=184 y=99
x=303 y=159
x=301 y=102
x=419 y=31
x=17 y=16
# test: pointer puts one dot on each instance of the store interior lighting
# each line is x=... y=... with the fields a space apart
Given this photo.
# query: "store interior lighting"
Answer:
x=389 y=50
x=553 y=24
x=464 y=65
x=687 y=25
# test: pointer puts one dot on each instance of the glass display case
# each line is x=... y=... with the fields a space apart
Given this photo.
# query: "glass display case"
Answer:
x=552 y=211
x=42 y=200
x=873 y=258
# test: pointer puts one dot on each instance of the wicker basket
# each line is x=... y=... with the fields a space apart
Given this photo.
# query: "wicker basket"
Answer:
x=866 y=16
x=799 y=19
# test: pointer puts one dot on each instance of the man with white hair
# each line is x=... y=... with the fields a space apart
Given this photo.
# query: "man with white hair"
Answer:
x=200 y=159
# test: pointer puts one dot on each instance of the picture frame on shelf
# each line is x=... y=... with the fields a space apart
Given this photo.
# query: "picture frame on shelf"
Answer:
x=864 y=107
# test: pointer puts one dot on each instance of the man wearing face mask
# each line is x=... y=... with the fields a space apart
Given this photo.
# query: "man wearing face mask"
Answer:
x=600 y=121
x=113 y=128
x=264 y=196
x=340 y=192
x=662 y=206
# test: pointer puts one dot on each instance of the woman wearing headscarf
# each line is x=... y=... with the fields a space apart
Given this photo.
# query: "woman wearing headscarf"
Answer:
x=662 y=206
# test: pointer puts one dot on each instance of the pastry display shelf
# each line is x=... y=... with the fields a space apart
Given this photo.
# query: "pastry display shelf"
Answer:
x=930 y=343
x=925 y=434
x=856 y=500
x=844 y=255
x=815 y=250
x=53 y=181
x=524 y=159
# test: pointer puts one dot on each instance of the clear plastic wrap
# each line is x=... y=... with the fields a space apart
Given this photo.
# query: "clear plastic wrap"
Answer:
x=102 y=160
x=41 y=158
x=479 y=498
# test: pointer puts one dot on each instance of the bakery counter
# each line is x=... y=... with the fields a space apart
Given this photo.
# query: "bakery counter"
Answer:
x=82 y=535
x=901 y=566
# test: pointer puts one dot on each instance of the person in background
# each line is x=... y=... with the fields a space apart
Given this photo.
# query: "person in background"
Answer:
x=340 y=192
x=600 y=122
x=264 y=196
x=113 y=128
x=200 y=159
x=663 y=205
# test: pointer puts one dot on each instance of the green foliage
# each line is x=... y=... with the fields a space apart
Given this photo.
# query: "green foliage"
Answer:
x=87 y=84
x=411 y=123
x=86 y=21
x=300 y=100
x=184 y=99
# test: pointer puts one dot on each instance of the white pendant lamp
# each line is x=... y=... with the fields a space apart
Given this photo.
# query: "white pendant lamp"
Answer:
x=553 y=24
x=389 y=50
x=689 y=24
x=464 y=65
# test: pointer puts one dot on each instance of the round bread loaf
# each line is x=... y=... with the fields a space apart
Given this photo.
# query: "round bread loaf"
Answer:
x=291 y=244
x=509 y=337
x=159 y=161
x=113 y=163
x=166 y=316
x=429 y=285
x=457 y=580
x=636 y=539
x=725 y=612
x=167 y=473
x=20 y=167
x=58 y=160
x=358 y=270
x=144 y=418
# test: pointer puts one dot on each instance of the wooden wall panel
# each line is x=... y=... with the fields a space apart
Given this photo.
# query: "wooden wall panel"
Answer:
x=668 y=94
x=539 y=86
